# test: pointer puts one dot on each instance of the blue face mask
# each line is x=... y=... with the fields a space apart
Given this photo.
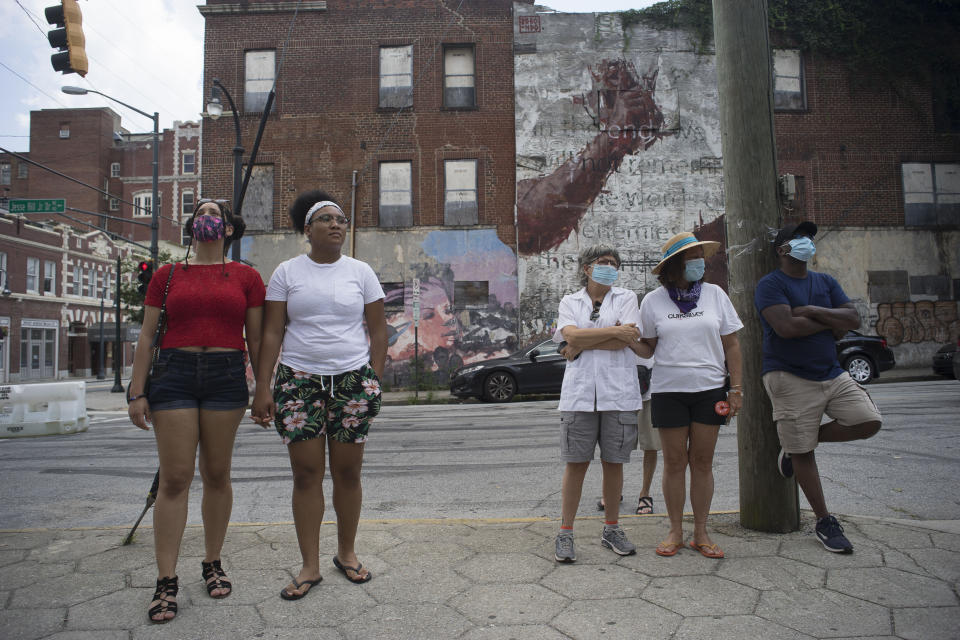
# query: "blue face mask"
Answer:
x=693 y=269
x=604 y=274
x=802 y=249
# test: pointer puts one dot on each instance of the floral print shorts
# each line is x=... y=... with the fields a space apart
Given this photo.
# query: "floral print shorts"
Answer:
x=340 y=407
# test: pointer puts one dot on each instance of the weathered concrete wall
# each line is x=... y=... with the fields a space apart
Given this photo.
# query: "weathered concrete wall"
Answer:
x=904 y=282
x=618 y=142
x=450 y=333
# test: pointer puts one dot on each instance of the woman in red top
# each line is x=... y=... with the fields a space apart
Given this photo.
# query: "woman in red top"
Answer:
x=198 y=391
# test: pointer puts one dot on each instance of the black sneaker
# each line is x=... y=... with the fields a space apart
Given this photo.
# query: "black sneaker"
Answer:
x=785 y=464
x=830 y=534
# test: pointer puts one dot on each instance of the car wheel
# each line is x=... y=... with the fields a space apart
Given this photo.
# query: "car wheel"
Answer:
x=499 y=387
x=860 y=369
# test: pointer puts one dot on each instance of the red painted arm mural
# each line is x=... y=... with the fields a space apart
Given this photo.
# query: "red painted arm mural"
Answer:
x=549 y=208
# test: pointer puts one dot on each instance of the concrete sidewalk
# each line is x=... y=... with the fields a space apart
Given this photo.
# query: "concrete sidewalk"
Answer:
x=481 y=579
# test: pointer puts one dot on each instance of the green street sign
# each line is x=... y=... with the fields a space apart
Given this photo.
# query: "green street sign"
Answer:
x=50 y=205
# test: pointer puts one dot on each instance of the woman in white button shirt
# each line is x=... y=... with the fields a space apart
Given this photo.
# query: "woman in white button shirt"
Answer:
x=600 y=395
x=692 y=327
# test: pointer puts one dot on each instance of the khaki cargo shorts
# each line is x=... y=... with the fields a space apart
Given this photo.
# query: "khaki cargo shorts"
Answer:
x=800 y=404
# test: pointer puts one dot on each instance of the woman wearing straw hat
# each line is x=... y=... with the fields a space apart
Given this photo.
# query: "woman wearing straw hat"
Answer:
x=691 y=327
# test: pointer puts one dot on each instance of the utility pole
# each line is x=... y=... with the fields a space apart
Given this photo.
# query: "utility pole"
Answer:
x=744 y=72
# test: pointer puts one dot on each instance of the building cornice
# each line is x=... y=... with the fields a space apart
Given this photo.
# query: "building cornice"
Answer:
x=261 y=7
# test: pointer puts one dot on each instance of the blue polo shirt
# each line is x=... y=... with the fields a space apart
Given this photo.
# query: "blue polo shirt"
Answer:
x=813 y=357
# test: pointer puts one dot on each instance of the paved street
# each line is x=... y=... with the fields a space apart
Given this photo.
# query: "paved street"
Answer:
x=473 y=460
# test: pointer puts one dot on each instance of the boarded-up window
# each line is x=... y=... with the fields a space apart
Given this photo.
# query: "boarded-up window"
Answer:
x=396 y=201
x=460 y=187
x=258 y=201
x=396 y=77
x=459 y=87
x=931 y=194
x=259 y=71
x=470 y=294
x=788 y=94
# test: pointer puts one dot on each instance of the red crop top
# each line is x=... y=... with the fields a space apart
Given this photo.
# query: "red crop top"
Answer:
x=205 y=307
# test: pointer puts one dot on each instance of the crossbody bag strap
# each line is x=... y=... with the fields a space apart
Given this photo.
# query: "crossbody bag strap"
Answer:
x=162 y=320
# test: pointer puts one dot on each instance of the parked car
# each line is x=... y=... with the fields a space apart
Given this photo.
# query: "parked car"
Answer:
x=533 y=369
x=864 y=357
x=943 y=360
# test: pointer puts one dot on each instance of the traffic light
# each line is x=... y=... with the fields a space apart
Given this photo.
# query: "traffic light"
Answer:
x=68 y=38
x=144 y=273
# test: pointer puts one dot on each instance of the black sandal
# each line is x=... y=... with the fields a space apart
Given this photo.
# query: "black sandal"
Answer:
x=214 y=576
x=166 y=588
x=644 y=505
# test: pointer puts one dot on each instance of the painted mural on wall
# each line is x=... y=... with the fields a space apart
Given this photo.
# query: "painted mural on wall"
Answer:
x=468 y=288
x=618 y=142
x=916 y=322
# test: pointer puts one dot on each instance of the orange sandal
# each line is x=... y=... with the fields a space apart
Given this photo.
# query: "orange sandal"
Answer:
x=667 y=548
x=707 y=550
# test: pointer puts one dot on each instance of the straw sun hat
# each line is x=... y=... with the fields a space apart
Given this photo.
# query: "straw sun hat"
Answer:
x=683 y=241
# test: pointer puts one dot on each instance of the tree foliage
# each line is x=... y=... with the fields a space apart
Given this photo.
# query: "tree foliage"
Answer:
x=131 y=301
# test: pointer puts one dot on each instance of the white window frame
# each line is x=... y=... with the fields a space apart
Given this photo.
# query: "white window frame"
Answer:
x=23 y=171
x=184 y=209
x=64 y=130
x=33 y=275
x=49 y=278
x=142 y=201
x=391 y=92
x=114 y=169
x=788 y=81
x=114 y=204
x=3 y=275
x=393 y=196
x=256 y=81
x=6 y=173
x=931 y=194
x=454 y=83
x=92 y=283
x=453 y=195
x=193 y=163
x=77 y=281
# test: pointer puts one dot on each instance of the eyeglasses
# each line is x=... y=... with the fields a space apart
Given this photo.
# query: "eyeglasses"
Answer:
x=595 y=315
x=327 y=218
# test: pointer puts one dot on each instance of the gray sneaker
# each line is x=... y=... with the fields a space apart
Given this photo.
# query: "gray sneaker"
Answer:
x=615 y=539
x=565 y=552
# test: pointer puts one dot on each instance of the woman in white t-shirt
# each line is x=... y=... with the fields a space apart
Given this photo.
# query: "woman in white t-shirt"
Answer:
x=691 y=327
x=327 y=388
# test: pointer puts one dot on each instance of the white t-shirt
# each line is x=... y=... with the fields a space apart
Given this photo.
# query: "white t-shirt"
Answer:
x=599 y=380
x=325 y=333
x=689 y=355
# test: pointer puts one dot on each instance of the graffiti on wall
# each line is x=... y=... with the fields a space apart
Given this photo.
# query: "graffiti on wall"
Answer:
x=452 y=332
x=607 y=154
x=921 y=321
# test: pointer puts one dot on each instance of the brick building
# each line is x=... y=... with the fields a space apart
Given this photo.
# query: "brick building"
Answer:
x=54 y=270
x=412 y=100
x=879 y=171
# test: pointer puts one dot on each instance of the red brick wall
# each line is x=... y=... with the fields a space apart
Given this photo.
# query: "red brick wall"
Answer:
x=327 y=122
x=850 y=142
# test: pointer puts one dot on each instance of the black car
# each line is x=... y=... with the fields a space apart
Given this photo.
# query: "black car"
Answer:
x=864 y=357
x=943 y=360
x=533 y=369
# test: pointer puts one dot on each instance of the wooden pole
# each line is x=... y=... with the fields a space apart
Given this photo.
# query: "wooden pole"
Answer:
x=744 y=73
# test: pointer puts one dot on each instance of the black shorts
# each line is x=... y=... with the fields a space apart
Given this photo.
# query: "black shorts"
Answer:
x=680 y=409
x=210 y=380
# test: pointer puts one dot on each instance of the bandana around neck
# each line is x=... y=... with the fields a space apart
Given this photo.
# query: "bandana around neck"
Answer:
x=686 y=300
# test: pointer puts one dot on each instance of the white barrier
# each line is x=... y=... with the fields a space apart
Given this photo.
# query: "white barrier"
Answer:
x=43 y=409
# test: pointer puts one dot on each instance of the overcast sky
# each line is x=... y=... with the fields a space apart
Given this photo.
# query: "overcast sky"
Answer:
x=147 y=53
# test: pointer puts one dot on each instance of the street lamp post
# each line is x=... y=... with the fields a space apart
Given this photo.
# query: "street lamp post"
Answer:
x=100 y=372
x=155 y=212
x=215 y=110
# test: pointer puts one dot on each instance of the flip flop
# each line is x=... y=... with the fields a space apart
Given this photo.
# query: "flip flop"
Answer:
x=286 y=595
x=344 y=568
x=707 y=550
x=644 y=505
x=667 y=548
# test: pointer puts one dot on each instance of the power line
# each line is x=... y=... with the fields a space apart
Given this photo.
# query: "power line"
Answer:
x=33 y=85
x=30 y=15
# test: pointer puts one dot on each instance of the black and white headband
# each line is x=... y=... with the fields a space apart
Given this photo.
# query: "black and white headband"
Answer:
x=317 y=207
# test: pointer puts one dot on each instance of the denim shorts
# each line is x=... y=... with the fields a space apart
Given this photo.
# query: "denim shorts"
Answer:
x=211 y=380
